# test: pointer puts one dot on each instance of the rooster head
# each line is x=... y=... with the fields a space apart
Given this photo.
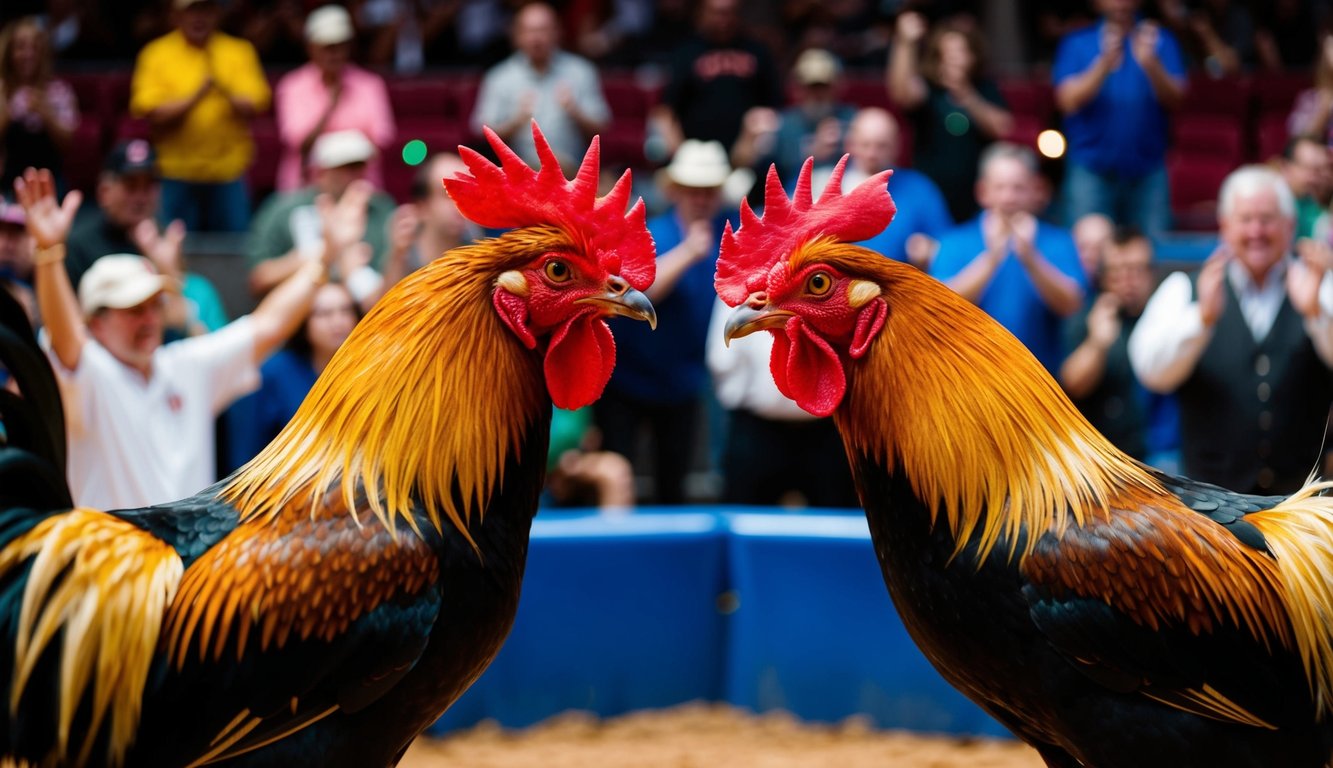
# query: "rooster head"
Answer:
x=786 y=273
x=584 y=258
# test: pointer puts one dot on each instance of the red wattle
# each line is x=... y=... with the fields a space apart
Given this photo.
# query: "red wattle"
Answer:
x=807 y=369
x=579 y=361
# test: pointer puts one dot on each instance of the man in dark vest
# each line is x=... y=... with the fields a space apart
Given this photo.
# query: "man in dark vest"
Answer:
x=1247 y=344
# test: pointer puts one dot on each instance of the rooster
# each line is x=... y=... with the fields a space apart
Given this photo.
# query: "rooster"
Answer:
x=1108 y=614
x=327 y=602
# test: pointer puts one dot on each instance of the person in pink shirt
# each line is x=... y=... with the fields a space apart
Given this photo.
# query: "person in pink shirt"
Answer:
x=329 y=94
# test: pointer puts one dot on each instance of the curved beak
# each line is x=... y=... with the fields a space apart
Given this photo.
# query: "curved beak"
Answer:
x=746 y=320
x=620 y=299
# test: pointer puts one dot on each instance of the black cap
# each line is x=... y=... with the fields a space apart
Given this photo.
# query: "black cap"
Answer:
x=133 y=156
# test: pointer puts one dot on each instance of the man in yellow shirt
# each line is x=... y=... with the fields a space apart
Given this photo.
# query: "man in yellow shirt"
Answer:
x=199 y=88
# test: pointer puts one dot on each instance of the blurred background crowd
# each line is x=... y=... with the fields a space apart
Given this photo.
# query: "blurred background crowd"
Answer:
x=1053 y=161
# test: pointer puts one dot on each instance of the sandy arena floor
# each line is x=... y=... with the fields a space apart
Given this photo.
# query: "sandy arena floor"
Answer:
x=708 y=736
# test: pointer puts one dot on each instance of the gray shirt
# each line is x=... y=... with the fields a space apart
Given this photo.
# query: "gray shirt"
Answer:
x=506 y=85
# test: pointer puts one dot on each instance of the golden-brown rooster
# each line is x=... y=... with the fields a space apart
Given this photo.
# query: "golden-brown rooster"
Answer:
x=1108 y=614
x=327 y=602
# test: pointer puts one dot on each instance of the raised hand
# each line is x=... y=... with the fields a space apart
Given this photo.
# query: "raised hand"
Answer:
x=162 y=247
x=911 y=27
x=344 y=221
x=1212 y=297
x=1304 y=277
x=48 y=223
x=1104 y=321
x=1143 y=45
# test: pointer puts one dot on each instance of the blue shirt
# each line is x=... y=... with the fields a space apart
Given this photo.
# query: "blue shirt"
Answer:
x=1011 y=298
x=921 y=209
x=1123 y=129
x=666 y=366
x=254 y=420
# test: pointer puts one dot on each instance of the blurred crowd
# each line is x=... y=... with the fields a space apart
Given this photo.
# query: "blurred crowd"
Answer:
x=1058 y=244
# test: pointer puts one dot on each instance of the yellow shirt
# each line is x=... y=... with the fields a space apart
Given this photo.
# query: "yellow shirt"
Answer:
x=211 y=143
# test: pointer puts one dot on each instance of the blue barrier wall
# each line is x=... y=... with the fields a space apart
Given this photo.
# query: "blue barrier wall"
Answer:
x=761 y=610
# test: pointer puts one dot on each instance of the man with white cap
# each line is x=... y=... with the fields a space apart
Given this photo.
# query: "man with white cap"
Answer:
x=140 y=414
x=660 y=378
x=288 y=228
x=327 y=94
x=199 y=88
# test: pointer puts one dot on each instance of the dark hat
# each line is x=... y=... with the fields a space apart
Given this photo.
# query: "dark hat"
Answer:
x=133 y=156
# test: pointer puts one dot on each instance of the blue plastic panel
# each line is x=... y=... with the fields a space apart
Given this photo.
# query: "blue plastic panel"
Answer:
x=815 y=632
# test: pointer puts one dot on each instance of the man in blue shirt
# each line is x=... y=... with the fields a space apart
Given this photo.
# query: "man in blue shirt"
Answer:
x=1023 y=272
x=1115 y=82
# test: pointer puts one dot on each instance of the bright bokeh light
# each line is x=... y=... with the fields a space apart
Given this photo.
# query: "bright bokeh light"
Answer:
x=414 y=152
x=1051 y=143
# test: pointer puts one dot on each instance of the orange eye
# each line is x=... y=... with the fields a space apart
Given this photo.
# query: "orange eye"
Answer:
x=818 y=284
x=558 y=271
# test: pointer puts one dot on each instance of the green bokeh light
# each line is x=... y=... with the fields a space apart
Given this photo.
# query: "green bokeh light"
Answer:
x=956 y=123
x=414 y=152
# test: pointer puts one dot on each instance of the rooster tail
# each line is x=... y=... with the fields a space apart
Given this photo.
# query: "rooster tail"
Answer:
x=32 y=422
x=1299 y=532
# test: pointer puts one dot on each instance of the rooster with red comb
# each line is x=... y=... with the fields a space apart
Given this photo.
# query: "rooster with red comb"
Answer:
x=326 y=603
x=1110 y=615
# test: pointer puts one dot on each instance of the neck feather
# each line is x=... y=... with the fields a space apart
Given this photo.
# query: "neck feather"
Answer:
x=423 y=404
x=984 y=434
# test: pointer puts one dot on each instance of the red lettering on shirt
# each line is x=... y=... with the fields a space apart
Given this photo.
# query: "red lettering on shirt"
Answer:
x=725 y=63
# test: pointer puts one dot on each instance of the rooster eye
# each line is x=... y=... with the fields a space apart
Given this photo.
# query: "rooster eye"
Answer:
x=818 y=284
x=558 y=271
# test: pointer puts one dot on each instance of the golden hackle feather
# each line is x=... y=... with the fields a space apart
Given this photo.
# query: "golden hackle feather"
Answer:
x=993 y=446
x=426 y=399
x=1299 y=531
x=104 y=586
x=986 y=437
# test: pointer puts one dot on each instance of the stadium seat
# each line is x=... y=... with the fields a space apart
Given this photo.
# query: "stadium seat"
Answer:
x=419 y=98
x=1225 y=97
x=1209 y=135
x=1270 y=136
x=1194 y=181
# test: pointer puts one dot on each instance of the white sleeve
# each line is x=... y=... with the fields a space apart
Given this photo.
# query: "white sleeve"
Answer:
x=729 y=378
x=1170 y=337
x=1320 y=327
x=221 y=363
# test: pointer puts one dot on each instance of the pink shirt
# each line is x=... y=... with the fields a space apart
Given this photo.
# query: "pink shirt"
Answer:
x=301 y=99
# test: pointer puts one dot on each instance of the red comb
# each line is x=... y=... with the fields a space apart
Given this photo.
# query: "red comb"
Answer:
x=512 y=194
x=748 y=253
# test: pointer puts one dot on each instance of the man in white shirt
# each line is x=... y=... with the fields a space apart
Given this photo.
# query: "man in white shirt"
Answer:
x=140 y=414
x=1247 y=343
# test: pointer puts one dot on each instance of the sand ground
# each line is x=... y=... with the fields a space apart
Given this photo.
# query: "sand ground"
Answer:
x=708 y=736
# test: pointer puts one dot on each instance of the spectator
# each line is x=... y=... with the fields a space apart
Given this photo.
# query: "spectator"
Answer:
x=578 y=472
x=1092 y=235
x=287 y=232
x=660 y=377
x=773 y=449
x=140 y=414
x=1308 y=169
x=399 y=33
x=1115 y=83
x=329 y=94
x=199 y=88
x=38 y=113
x=429 y=225
x=1023 y=272
x=716 y=76
x=1250 y=338
x=1311 y=111
x=1097 y=374
x=615 y=33
x=558 y=89
x=923 y=216
x=127 y=193
x=956 y=110
x=286 y=377
x=815 y=126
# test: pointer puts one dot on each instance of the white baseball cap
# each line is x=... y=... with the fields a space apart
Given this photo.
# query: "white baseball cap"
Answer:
x=120 y=281
x=339 y=148
x=700 y=164
x=328 y=25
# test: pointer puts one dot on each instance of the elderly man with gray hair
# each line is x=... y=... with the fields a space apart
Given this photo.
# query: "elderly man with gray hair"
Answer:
x=1247 y=343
